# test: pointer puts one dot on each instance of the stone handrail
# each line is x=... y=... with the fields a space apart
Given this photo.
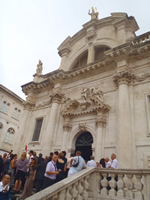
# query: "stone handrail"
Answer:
x=75 y=186
x=142 y=38
x=92 y=184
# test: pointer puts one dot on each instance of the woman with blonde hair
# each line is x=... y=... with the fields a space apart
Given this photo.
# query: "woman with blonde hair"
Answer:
x=20 y=171
x=30 y=180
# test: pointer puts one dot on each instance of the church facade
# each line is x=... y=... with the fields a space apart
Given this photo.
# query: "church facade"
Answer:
x=98 y=101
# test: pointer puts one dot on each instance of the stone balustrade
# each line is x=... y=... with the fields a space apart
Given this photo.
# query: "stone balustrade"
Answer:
x=92 y=184
x=142 y=39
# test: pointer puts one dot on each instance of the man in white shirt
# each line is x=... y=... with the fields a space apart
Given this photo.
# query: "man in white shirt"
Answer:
x=108 y=163
x=114 y=163
x=51 y=172
x=91 y=163
x=4 y=187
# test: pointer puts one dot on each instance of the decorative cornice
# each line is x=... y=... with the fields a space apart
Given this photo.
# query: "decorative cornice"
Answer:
x=36 y=87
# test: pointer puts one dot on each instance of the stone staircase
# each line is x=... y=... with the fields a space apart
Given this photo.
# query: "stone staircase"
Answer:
x=91 y=184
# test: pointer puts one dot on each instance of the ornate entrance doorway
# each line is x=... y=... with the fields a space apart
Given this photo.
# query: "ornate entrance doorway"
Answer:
x=84 y=144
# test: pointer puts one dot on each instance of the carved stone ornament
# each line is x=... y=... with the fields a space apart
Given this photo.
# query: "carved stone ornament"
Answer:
x=92 y=101
x=101 y=121
x=29 y=105
x=124 y=77
x=91 y=32
x=82 y=126
x=43 y=104
x=67 y=126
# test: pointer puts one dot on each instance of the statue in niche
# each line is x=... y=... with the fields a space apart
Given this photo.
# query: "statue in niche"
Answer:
x=94 y=15
x=39 y=68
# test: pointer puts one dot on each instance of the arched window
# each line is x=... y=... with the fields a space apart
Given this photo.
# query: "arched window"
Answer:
x=80 y=61
x=16 y=114
x=4 y=107
x=99 y=52
x=9 y=135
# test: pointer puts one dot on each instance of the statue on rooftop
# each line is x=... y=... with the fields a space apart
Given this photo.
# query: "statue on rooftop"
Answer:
x=39 y=68
x=94 y=15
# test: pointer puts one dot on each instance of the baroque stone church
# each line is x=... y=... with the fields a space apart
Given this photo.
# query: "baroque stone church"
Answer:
x=98 y=101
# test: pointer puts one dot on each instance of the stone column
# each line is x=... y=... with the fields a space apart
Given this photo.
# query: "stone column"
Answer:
x=67 y=126
x=91 y=54
x=124 y=149
x=100 y=123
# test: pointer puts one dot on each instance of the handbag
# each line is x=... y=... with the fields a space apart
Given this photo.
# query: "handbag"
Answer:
x=76 y=165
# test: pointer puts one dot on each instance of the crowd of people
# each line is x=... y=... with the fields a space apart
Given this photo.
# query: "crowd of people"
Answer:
x=31 y=171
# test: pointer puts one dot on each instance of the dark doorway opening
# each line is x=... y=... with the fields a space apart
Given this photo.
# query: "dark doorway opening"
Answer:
x=84 y=144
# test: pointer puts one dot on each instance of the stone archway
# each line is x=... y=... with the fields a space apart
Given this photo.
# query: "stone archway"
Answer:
x=84 y=144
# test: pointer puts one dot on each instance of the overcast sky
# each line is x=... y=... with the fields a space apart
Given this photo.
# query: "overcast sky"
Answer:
x=33 y=29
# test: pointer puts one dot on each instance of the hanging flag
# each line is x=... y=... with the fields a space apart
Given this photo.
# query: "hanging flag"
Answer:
x=26 y=148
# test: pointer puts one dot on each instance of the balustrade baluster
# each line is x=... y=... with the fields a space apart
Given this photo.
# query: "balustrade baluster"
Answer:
x=112 y=184
x=62 y=195
x=74 y=192
x=54 y=197
x=104 y=184
x=138 y=186
x=120 y=184
x=129 y=185
x=85 y=185
x=80 y=190
x=68 y=195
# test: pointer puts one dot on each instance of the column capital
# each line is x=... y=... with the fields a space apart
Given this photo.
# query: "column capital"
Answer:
x=124 y=77
x=101 y=122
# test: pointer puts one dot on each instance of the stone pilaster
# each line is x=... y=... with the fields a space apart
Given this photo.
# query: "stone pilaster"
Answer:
x=67 y=126
x=122 y=80
x=48 y=138
x=100 y=126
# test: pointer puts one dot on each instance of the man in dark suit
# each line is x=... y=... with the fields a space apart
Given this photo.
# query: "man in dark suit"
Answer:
x=40 y=171
x=40 y=158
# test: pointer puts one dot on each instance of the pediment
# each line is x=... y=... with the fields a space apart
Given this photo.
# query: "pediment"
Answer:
x=92 y=102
